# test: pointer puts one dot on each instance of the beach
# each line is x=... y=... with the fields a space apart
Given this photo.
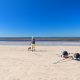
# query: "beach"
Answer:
x=17 y=63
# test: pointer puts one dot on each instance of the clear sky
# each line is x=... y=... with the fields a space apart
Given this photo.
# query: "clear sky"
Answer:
x=43 y=18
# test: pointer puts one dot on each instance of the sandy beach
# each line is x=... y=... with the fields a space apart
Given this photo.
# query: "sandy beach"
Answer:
x=17 y=63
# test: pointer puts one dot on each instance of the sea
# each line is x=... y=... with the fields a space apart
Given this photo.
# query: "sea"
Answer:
x=41 y=41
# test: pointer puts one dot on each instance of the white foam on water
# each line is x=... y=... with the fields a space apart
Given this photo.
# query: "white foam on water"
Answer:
x=42 y=43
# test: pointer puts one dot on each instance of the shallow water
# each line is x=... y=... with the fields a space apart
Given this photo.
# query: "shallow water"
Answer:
x=42 y=43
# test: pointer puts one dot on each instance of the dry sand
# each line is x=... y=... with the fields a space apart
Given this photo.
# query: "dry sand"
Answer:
x=16 y=63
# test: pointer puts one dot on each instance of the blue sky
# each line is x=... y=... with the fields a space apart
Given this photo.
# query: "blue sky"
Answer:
x=43 y=18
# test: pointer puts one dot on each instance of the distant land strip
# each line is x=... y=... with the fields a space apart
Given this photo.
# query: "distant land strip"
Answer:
x=40 y=38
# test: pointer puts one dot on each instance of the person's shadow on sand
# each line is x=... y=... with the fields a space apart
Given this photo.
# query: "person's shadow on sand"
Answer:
x=39 y=54
x=40 y=51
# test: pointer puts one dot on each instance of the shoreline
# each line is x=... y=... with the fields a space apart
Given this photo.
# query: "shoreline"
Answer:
x=41 y=43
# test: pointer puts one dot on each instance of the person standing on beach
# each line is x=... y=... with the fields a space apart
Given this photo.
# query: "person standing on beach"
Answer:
x=33 y=44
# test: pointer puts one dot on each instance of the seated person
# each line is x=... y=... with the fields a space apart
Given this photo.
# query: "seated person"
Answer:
x=66 y=55
x=77 y=56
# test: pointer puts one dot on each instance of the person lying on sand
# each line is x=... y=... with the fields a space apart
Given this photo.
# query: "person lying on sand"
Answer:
x=66 y=57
